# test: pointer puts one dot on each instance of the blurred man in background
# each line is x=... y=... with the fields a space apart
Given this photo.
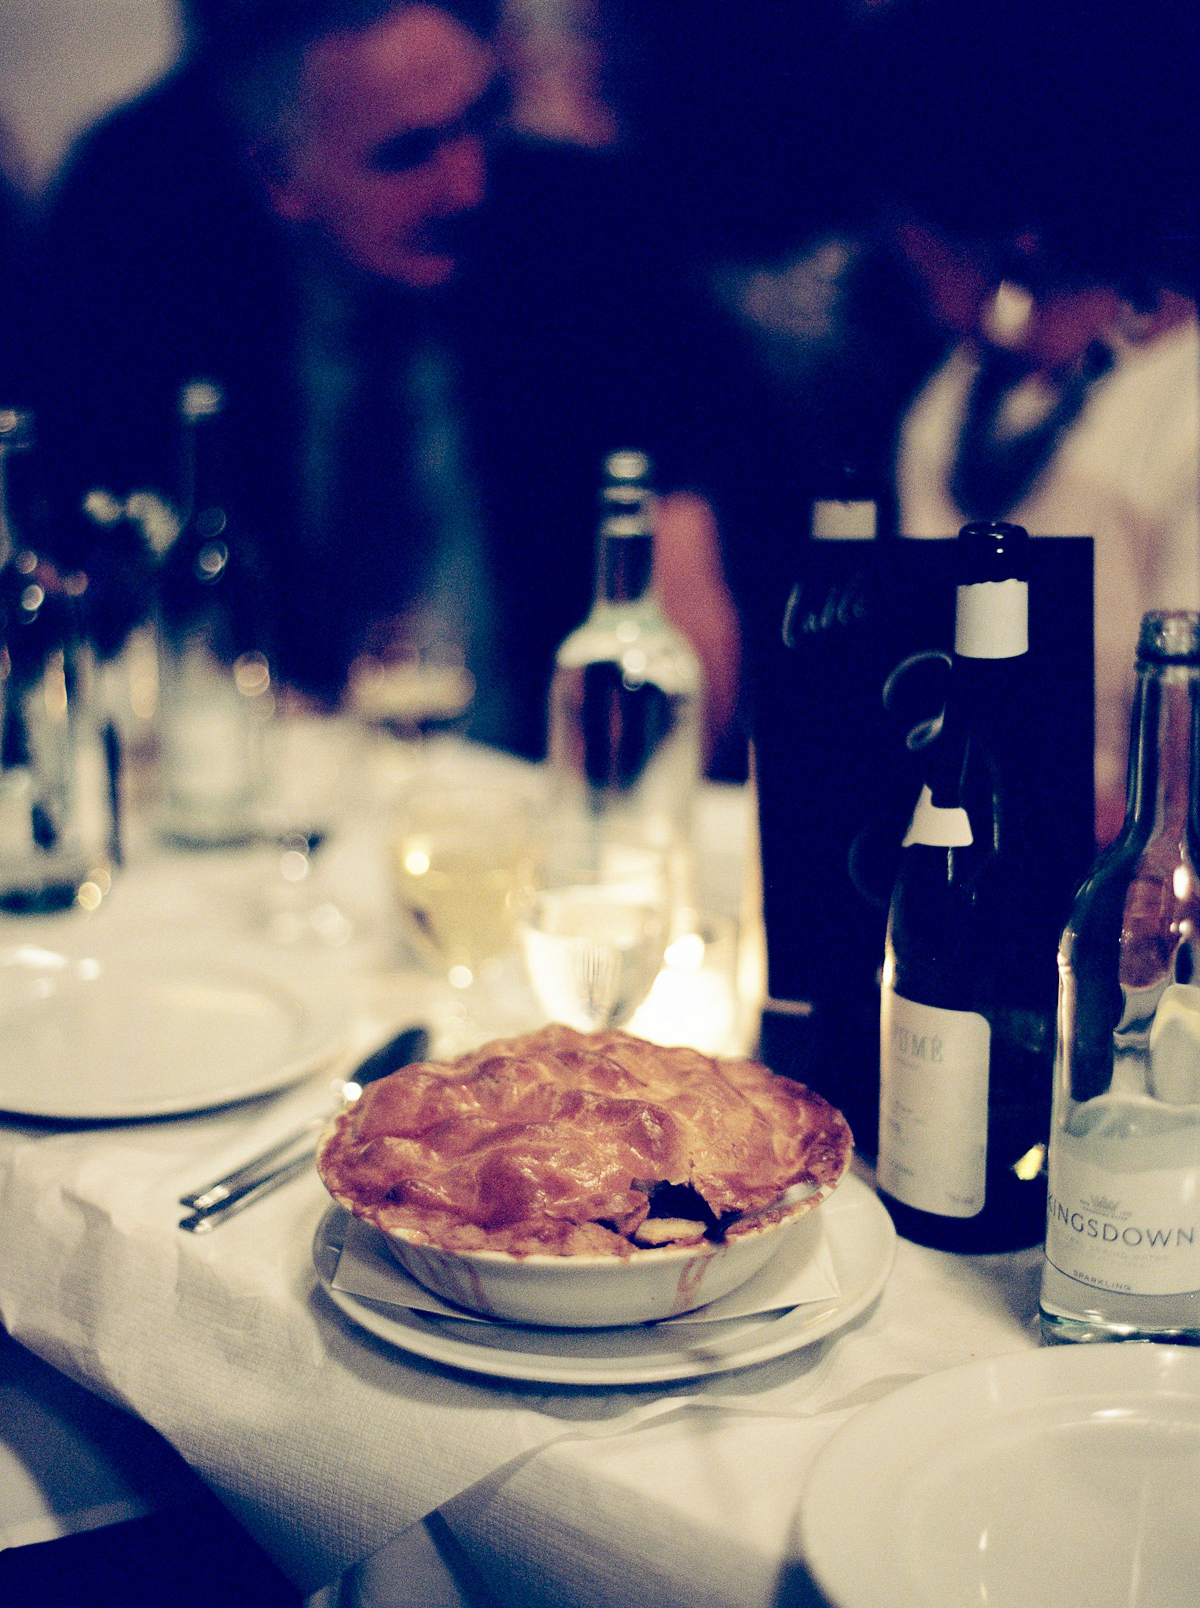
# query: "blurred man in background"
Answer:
x=429 y=333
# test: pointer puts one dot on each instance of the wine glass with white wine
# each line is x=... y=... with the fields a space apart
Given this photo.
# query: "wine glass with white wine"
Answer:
x=594 y=928
x=461 y=857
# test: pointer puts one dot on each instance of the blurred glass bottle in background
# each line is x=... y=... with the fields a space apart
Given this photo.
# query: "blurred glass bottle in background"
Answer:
x=56 y=834
x=1123 y=1224
x=215 y=686
x=967 y=1022
x=625 y=698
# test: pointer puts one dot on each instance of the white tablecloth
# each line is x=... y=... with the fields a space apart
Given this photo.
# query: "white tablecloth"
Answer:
x=696 y=1509
x=330 y=1446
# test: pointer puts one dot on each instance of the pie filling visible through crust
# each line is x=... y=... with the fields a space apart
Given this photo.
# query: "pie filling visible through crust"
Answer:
x=567 y=1143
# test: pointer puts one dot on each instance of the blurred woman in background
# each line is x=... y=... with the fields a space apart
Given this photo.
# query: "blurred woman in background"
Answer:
x=1036 y=164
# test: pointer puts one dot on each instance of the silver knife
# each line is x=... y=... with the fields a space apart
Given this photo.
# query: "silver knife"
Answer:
x=290 y=1156
x=203 y=1222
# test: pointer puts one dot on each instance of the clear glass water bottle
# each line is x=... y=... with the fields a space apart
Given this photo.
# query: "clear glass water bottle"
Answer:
x=1123 y=1220
x=968 y=987
x=54 y=839
x=625 y=697
x=215 y=687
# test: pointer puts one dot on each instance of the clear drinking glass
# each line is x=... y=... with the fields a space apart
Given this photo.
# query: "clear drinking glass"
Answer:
x=315 y=768
x=594 y=928
x=411 y=693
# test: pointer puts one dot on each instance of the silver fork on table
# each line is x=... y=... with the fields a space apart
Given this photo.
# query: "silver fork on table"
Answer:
x=215 y=1203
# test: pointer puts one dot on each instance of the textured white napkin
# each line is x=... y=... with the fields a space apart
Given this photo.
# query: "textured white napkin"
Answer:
x=801 y=1271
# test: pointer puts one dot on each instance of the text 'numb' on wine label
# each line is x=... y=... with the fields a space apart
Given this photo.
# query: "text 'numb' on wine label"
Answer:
x=933 y=1107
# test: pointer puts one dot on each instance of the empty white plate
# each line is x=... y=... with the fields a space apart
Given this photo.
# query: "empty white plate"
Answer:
x=118 y=1030
x=1060 y=1478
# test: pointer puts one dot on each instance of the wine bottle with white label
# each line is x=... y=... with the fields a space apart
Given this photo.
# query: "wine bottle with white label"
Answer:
x=969 y=977
x=1123 y=1225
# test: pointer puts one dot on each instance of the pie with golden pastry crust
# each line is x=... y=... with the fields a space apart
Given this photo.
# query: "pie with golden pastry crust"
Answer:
x=566 y=1143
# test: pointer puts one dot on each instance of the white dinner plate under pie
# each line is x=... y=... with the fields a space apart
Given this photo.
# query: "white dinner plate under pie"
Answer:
x=861 y=1242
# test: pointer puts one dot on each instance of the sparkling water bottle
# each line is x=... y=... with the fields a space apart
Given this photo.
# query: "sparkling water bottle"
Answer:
x=1123 y=1221
x=55 y=846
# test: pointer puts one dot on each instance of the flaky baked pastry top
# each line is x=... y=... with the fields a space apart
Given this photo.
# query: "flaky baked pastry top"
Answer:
x=558 y=1142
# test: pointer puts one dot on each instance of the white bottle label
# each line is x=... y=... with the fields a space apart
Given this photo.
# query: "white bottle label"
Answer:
x=933 y=1107
x=838 y=518
x=1135 y=1233
x=991 y=620
x=936 y=827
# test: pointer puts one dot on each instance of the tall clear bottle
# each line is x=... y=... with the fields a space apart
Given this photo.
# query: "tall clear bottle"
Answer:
x=1123 y=1222
x=624 y=719
x=214 y=671
x=967 y=1021
x=53 y=840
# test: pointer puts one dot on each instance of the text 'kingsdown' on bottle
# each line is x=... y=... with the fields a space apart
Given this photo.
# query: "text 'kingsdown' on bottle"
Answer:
x=1123 y=1219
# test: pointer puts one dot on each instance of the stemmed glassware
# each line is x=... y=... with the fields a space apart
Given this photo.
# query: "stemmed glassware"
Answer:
x=413 y=697
x=296 y=897
x=461 y=857
x=594 y=927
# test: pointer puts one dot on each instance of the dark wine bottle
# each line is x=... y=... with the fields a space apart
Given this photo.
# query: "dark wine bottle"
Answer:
x=969 y=977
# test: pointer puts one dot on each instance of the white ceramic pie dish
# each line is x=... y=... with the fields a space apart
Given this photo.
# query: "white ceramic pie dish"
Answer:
x=589 y=1292
x=517 y=1127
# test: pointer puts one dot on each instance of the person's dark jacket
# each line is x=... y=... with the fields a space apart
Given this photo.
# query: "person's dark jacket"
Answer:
x=160 y=263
